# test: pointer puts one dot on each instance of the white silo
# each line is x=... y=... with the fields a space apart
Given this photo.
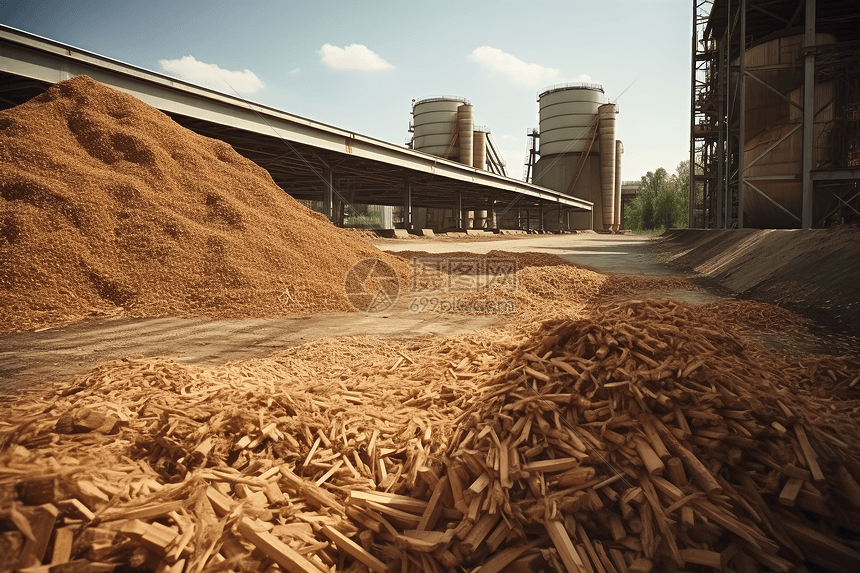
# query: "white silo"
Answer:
x=466 y=134
x=607 y=164
x=437 y=126
x=619 y=150
x=577 y=149
x=479 y=156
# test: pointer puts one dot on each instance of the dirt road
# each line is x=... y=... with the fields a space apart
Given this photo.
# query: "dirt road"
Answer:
x=620 y=254
x=40 y=356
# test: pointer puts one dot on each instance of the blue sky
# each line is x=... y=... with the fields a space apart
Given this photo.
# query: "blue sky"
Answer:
x=358 y=65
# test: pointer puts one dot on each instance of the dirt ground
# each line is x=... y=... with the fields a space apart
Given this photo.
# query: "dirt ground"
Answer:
x=30 y=357
x=815 y=272
x=744 y=265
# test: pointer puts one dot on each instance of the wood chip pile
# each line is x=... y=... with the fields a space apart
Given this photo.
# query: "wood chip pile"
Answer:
x=107 y=206
x=641 y=437
x=548 y=286
x=750 y=315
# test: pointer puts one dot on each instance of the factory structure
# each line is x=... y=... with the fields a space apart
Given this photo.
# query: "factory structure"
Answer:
x=574 y=152
x=579 y=155
x=775 y=122
x=444 y=126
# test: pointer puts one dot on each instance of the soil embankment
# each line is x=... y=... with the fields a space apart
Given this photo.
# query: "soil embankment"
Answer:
x=813 y=272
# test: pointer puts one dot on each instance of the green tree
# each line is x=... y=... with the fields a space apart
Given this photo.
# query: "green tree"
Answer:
x=662 y=201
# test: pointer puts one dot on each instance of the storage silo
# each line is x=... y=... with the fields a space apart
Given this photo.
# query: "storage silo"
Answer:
x=479 y=141
x=607 y=164
x=574 y=118
x=619 y=150
x=437 y=127
x=773 y=141
x=466 y=134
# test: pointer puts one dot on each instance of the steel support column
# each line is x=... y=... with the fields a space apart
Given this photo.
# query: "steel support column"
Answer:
x=328 y=194
x=719 y=222
x=742 y=73
x=458 y=211
x=560 y=221
x=728 y=199
x=692 y=202
x=407 y=205
x=808 y=114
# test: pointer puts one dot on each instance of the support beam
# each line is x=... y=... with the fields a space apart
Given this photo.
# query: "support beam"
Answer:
x=561 y=221
x=407 y=205
x=340 y=209
x=721 y=139
x=491 y=213
x=328 y=194
x=850 y=174
x=763 y=194
x=742 y=77
x=692 y=198
x=727 y=158
x=808 y=114
x=458 y=211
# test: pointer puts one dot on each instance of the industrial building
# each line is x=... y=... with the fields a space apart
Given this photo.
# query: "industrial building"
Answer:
x=444 y=126
x=775 y=122
x=312 y=161
x=577 y=156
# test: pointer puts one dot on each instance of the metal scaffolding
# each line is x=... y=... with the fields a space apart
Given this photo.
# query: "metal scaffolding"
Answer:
x=728 y=148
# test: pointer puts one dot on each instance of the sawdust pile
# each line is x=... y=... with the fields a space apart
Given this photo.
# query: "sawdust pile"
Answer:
x=545 y=286
x=642 y=436
x=108 y=206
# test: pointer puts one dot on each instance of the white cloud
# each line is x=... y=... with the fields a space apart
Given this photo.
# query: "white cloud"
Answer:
x=352 y=57
x=295 y=71
x=212 y=76
x=516 y=70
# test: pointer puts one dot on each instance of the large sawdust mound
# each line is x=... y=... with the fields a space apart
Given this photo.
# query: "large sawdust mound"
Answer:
x=108 y=206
